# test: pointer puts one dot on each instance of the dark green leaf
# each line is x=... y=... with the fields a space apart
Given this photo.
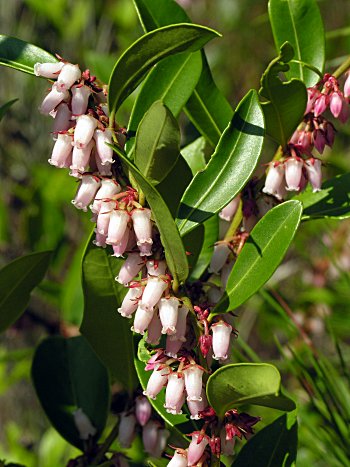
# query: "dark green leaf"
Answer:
x=17 y=280
x=106 y=330
x=157 y=144
x=246 y=383
x=193 y=242
x=333 y=201
x=299 y=22
x=229 y=169
x=21 y=55
x=274 y=445
x=194 y=155
x=143 y=54
x=286 y=100
x=154 y=14
x=261 y=254
x=67 y=376
x=175 y=254
x=4 y=108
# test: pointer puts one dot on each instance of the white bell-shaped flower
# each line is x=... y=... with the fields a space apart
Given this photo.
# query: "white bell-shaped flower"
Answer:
x=196 y=449
x=142 y=320
x=51 y=101
x=120 y=248
x=153 y=291
x=104 y=152
x=84 y=130
x=156 y=268
x=83 y=424
x=130 y=302
x=221 y=339
x=158 y=379
x=117 y=225
x=193 y=382
x=230 y=209
x=172 y=347
x=130 y=268
x=174 y=390
x=100 y=239
x=81 y=157
x=314 y=173
x=141 y=219
x=274 y=179
x=62 y=150
x=179 y=459
x=86 y=191
x=126 y=432
x=168 y=313
x=181 y=324
x=108 y=189
x=293 y=168
x=62 y=121
x=48 y=70
x=219 y=257
x=154 y=330
x=68 y=76
x=103 y=217
x=80 y=99
x=196 y=406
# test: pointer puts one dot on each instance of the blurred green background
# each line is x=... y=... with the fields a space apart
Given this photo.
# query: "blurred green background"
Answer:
x=36 y=214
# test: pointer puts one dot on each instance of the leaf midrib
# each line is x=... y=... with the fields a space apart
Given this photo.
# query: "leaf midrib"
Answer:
x=296 y=40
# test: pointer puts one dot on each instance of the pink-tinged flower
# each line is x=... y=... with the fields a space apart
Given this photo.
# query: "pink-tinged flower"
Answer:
x=344 y=114
x=68 y=76
x=321 y=104
x=214 y=295
x=153 y=291
x=83 y=424
x=108 y=189
x=314 y=173
x=104 y=152
x=319 y=140
x=227 y=445
x=156 y=268
x=130 y=268
x=174 y=391
x=143 y=410
x=221 y=339
x=142 y=320
x=312 y=95
x=126 y=432
x=196 y=447
x=120 y=248
x=162 y=438
x=156 y=358
x=86 y=191
x=219 y=257
x=61 y=150
x=141 y=219
x=84 y=130
x=51 y=101
x=150 y=436
x=104 y=217
x=145 y=249
x=274 y=179
x=100 y=240
x=158 y=379
x=130 y=302
x=293 y=168
x=117 y=225
x=330 y=134
x=347 y=85
x=239 y=424
x=62 y=120
x=305 y=141
x=225 y=273
x=172 y=347
x=48 y=70
x=230 y=210
x=179 y=459
x=168 y=312
x=336 y=103
x=193 y=382
x=154 y=330
x=104 y=170
x=223 y=228
x=181 y=324
x=81 y=157
x=80 y=99
x=197 y=406
x=178 y=408
x=205 y=344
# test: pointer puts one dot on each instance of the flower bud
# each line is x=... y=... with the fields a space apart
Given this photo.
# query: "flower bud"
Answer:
x=80 y=99
x=130 y=268
x=84 y=130
x=174 y=390
x=196 y=448
x=193 y=382
x=153 y=292
x=143 y=410
x=108 y=189
x=142 y=320
x=347 y=85
x=274 y=179
x=51 y=101
x=158 y=379
x=104 y=152
x=86 y=191
x=312 y=95
x=130 y=302
x=321 y=104
x=118 y=222
x=221 y=339
x=293 y=167
x=61 y=150
x=48 y=70
x=126 y=432
x=68 y=76
x=81 y=157
x=335 y=104
x=319 y=140
x=168 y=312
x=314 y=173
x=62 y=120
x=344 y=113
x=219 y=257
x=83 y=424
x=154 y=330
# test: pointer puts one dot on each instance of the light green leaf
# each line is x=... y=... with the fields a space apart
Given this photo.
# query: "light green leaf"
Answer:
x=194 y=155
x=143 y=54
x=17 y=280
x=229 y=169
x=261 y=254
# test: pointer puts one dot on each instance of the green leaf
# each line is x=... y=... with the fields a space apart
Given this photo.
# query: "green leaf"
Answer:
x=17 y=280
x=276 y=444
x=21 y=55
x=229 y=169
x=246 y=383
x=207 y=108
x=67 y=375
x=175 y=254
x=332 y=202
x=286 y=100
x=106 y=330
x=261 y=254
x=299 y=22
x=143 y=54
x=211 y=232
x=194 y=155
x=4 y=108
x=157 y=144
x=172 y=81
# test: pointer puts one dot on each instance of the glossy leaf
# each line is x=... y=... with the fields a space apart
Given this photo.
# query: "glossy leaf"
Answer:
x=21 y=55
x=157 y=144
x=299 y=22
x=148 y=50
x=229 y=168
x=276 y=444
x=207 y=108
x=286 y=100
x=17 y=280
x=246 y=383
x=106 y=330
x=333 y=201
x=211 y=232
x=175 y=254
x=172 y=81
x=261 y=254
x=4 y=108
x=194 y=155
x=67 y=376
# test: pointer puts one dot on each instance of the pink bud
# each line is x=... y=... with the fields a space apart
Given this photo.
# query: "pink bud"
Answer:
x=156 y=268
x=344 y=114
x=100 y=240
x=141 y=219
x=293 y=167
x=61 y=150
x=153 y=292
x=48 y=70
x=104 y=217
x=305 y=141
x=117 y=225
x=130 y=302
x=221 y=339
x=219 y=257
x=312 y=95
x=103 y=151
x=196 y=406
x=83 y=425
x=181 y=324
x=179 y=459
x=130 y=268
x=314 y=173
x=319 y=140
x=126 y=432
x=142 y=320
x=321 y=105
x=86 y=191
x=274 y=179
x=81 y=157
x=68 y=76
x=108 y=189
x=120 y=248
x=143 y=410
x=336 y=103
x=158 y=379
x=62 y=120
x=80 y=99
x=193 y=382
x=196 y=449
x=230 y=210
x=51 y=101
x=168 y=312
x=154 y=330
x=150 y=436
x=174 y=390
x=330 y=134
x=347 y=86
x=84 y=130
